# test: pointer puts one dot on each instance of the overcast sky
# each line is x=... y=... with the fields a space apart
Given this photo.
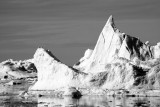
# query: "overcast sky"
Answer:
x=69 y=27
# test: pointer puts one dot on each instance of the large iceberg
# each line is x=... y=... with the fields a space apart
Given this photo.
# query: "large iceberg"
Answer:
x=118 y=62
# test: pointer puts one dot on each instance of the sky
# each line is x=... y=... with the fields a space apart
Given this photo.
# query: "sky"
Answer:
x=69 y=27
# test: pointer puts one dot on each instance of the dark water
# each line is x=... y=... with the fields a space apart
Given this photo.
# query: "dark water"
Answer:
x=85 y=101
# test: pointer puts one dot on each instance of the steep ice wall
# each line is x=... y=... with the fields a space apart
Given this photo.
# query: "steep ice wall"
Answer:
x=113 y=44
x=156 y=50
x=105 y=51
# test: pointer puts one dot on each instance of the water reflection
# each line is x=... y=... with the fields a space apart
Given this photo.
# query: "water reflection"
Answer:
x=85 y=101
x=100 y=101
x=16 y=101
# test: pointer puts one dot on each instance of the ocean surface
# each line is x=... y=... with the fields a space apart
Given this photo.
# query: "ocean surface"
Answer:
x=9 y=97
x=85 y=101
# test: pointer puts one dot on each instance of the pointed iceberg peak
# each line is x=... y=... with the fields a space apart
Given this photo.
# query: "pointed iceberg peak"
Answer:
x=110 y=19
x=41 y=52
x=110 y=22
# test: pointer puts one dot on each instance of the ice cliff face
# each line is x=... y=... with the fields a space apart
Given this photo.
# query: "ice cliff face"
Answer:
x=118 y=61
x=113 y=44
